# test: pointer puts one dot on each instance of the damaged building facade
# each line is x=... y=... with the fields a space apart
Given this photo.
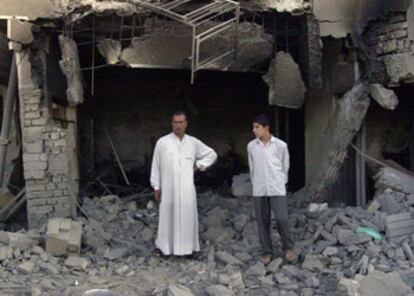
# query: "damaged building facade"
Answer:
x=97 y=81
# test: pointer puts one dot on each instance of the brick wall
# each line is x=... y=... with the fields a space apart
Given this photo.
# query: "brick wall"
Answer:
x=387 y=47
x=46 y=155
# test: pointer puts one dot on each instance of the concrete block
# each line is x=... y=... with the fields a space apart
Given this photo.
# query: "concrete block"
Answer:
x=77 y=263
x=348 y=237
x=63 y=237
x=26 y=267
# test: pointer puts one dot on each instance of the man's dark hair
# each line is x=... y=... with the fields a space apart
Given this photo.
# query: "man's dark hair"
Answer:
x=262 y=120
x=179 y=113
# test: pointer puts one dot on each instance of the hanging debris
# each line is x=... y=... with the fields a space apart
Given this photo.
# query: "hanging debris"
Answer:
x=111 y=50
x=286 y=87
x=70 y=66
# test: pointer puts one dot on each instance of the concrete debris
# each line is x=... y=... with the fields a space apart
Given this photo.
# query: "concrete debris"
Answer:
x=113 y=254
x=77 y=263
x=384 y=97
x=399 y=225
x=219 y=290
x=63 y=237
x=70 y=66
x=26 y=267
x=110 y=49
x=241 y=185
x=256 y=270
x=286 y=87
x=179 y=290
x=332 y=251
x=395 y=180
x=378 y=283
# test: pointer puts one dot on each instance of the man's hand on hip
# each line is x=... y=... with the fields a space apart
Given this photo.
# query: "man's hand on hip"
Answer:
x=157 y=194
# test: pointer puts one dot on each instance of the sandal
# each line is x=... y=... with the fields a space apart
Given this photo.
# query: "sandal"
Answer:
x=266 y=259
x=157 y=253
x=194 y=256
x=291 y=257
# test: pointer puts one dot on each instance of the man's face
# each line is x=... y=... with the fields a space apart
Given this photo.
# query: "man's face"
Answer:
x=179 y=124
x=259 y=130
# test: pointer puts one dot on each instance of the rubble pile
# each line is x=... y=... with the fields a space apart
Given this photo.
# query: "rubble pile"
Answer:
x=343 y=251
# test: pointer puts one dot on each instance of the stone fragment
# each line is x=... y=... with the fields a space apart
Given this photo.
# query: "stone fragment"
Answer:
x=219 y=290
x=226 y=258
x=275 y=265
x=386 y=98
x=113 y=254
x=256 y=270
x=77 y=263
x=26 y=267
x=348 y=237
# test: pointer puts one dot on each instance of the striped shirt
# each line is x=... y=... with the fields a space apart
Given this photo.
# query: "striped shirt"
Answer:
x=269 y=167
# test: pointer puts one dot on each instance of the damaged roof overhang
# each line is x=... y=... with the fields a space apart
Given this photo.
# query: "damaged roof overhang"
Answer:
x=343 y=17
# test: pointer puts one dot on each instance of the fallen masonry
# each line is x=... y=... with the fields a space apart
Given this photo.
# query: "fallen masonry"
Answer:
x=336 y=257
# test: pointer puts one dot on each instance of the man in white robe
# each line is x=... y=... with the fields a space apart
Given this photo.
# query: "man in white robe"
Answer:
x=176 y=157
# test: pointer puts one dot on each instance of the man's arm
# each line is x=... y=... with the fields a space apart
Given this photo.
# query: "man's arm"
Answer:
x=205 y=156
x=155 y=178
x=286 y=162
x=250 y=158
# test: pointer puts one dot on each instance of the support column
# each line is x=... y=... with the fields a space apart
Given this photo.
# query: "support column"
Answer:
x=45 y=144
x=361 y=198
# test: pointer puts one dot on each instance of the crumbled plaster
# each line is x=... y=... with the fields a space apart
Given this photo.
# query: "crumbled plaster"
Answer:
x=286 y=87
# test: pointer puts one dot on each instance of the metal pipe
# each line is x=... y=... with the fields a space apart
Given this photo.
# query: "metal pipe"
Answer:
x=7 y=116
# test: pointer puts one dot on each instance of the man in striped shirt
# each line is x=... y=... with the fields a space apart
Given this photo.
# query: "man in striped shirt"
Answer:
x=269 y=167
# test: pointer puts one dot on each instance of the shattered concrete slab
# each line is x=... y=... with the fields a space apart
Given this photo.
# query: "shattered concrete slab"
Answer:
x=286 y=87
x=70 y=66
x=169 y=46
x=386 y=98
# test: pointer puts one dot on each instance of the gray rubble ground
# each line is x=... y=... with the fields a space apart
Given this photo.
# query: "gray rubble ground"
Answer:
x=334 y=258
